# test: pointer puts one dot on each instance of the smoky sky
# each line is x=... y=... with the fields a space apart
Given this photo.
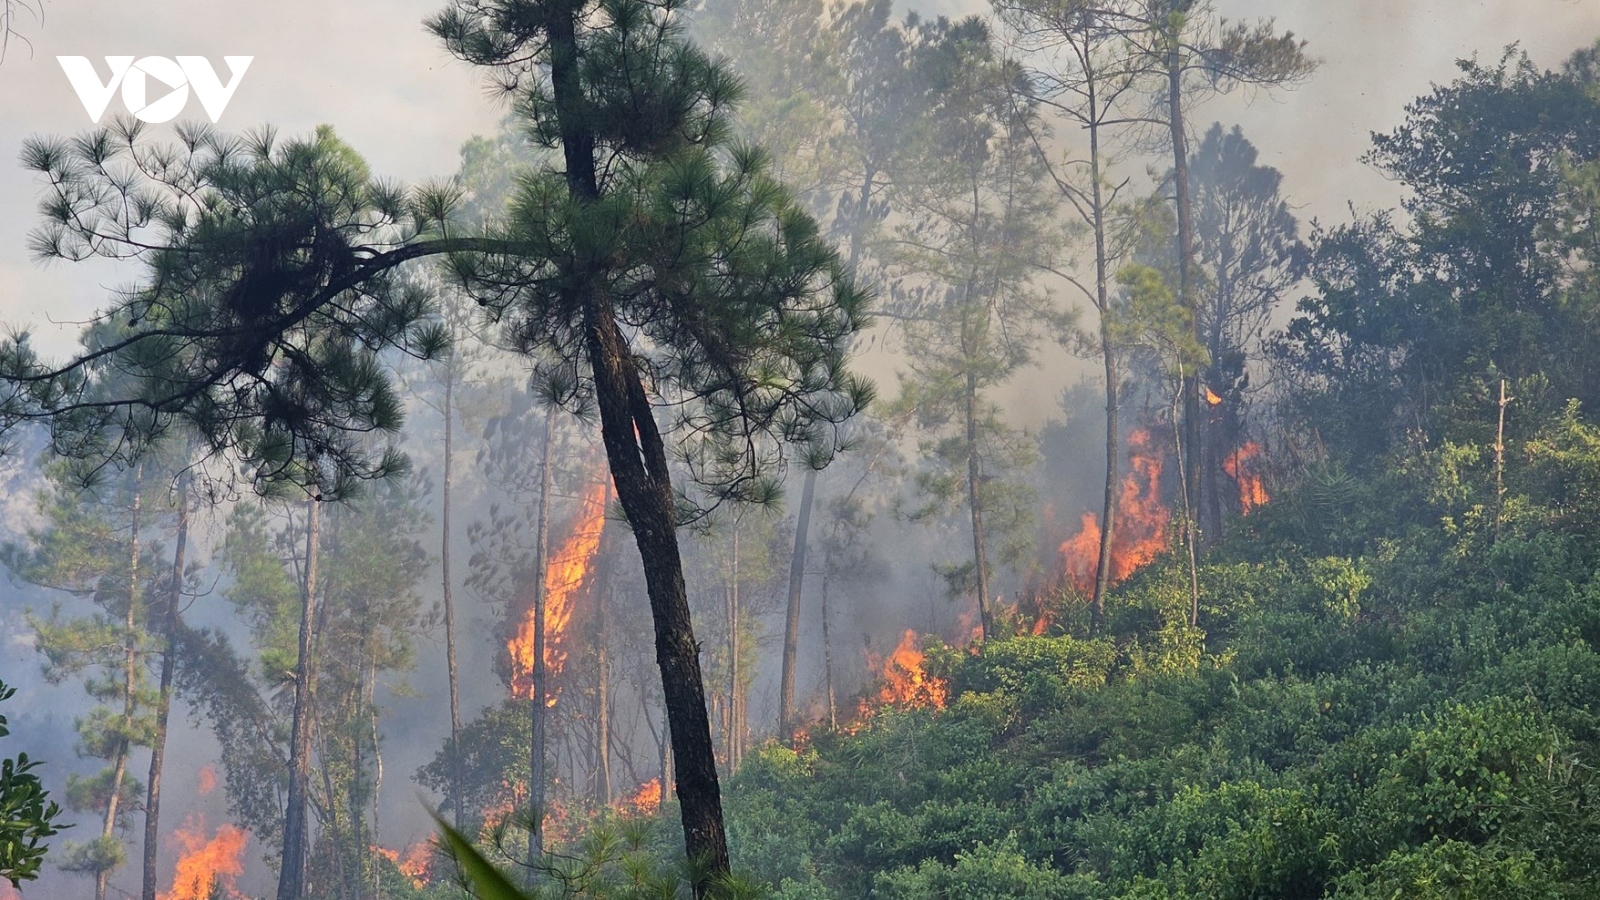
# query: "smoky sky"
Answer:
x=370 y=69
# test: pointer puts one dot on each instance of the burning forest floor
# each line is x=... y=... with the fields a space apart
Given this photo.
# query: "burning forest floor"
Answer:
x=1370 y=703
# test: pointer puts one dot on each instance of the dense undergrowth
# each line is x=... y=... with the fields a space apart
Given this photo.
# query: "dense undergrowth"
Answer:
x=1392 y=693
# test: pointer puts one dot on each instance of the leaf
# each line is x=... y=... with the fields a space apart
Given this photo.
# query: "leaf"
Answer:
x=490 y=883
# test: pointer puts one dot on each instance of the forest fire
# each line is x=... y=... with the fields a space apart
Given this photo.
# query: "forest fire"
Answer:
x=569 y=566
x=1243 y=466
x=207 y=866
x=647 y=799
x=413 y=864
x=905 y=683
x=1142 y=521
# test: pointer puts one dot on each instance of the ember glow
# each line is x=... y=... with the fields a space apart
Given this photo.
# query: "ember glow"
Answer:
x=906 y=684
x=647 y=799
x=206 y=863
x=569 y=565
x=1244 y=467
x=1142 y=521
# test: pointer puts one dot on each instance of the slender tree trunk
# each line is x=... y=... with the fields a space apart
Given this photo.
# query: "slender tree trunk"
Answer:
x=377 y=767
x=130 y=675
x=1108 y=350
x=666 y=756
x=449 y=597
x=797 y=562
x=169 y=629
x=1188 y=515
x=539 y=695
x=791 y=622
x=637 y=457
x=980 y=558
x=827 y=660
x=732 y=597
x=602 y=705
x=1193 y=430
x=291 y=877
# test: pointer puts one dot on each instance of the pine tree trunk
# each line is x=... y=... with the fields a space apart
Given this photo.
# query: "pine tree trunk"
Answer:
x=791 y=621
x=980 y=558
x=291 y=877
x=169 y=629
x=827 y=660
x=130 y=675
x=602 y=706
x=1192 y=446
x=1108 y=350
x=732 y=595
x=449 y=597
x=538 y=697
x=637 y=457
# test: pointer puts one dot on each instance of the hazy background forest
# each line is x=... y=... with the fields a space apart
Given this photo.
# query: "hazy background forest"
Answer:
x=1391 y=494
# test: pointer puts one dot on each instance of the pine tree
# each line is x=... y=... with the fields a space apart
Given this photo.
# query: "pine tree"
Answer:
x=646 y=257
x=964 y=263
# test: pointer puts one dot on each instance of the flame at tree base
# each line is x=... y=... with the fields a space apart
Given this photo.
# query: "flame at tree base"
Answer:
x=1243 y=466
x=564 y=575
x=207 y=863
x=415 y=864
x=906 y=684
x=1141 y=525
x=647 y=799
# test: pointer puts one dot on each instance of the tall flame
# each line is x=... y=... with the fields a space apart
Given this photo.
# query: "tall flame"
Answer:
x=906 y=683
x=1142 y=522
x=1242 y=465
x=206 y=862
x=564 y=574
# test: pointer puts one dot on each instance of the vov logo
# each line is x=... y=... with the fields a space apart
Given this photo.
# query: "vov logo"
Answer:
x=135 y=77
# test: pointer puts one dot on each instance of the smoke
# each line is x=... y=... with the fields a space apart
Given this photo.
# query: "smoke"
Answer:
x=369 y=69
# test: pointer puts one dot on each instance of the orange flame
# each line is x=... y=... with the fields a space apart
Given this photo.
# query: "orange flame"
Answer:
x=647 y=799
x=206 y=863
x=1243 y=467
x=208 y=779
x=1142 y=522
x=905 y=683
x=564 y=574
x=414 y=865
x=1212 y=398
